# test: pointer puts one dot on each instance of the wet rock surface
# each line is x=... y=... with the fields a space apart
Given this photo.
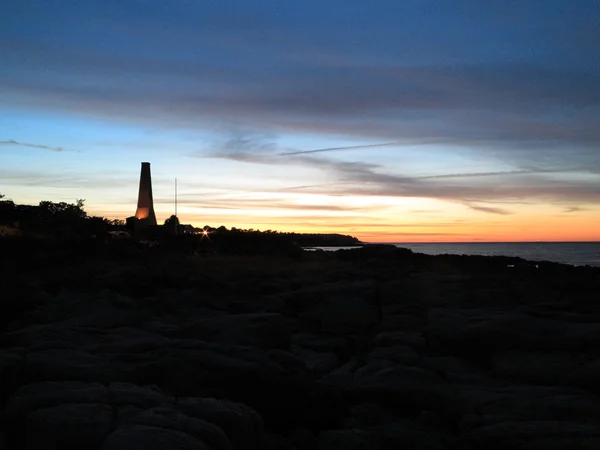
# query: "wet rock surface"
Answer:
x=356 y=351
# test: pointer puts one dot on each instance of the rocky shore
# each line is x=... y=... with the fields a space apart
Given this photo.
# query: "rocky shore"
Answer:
x=373 y=348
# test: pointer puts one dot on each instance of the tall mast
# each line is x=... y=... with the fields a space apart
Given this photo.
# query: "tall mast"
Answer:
x=175 y=196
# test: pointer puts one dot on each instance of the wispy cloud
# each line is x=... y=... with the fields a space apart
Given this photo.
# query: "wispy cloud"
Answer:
x=13 y=143
x=368 y=179
x=573 y=209
x=97 y=180
x=490 y=209
x=504 y=173
x=311 y=186
x=245 y=203
x=333 y=149
x=481 y=109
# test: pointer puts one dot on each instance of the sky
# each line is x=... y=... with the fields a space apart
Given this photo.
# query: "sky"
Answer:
x=392 y=121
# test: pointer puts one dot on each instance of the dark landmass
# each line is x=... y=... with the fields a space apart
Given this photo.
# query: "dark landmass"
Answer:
x=324 y=240
x=56 y=220
x=167 y=344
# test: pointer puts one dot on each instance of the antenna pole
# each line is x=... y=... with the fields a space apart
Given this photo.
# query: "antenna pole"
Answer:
x=175 y=196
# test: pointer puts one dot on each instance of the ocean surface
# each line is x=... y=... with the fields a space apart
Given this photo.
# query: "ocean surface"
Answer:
x=575 y=253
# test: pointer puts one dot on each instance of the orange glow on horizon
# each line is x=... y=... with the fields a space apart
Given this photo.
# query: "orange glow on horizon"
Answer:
x=414 y=222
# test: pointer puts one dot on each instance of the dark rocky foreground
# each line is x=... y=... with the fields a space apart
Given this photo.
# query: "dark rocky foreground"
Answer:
x=375 y=348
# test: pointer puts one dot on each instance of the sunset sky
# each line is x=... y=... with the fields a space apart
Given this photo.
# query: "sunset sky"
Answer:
x=393 y=121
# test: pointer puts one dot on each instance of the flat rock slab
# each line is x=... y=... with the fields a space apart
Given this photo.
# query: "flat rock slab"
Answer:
x=152 y=438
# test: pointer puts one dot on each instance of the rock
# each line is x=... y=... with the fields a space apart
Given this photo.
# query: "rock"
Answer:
x=30 y=335
x=405 y=391
x=303 y=439
x=367 y=414
x=327 y=406
x=473 y=334
x=118 y=301
x=386 y=373
x=125 y=340
x=564 y=443
x=263 y=330
x=405 y=435
x=274 y=441
x=480 y=332
x=66 y=365
x=319 y=363
x=77 y=309
x=123 y=414
x=343 y=375
x=587 y=375
x=372 y=426
x=68 y=426
x=532 y=434
x=399 y=317
x=549 y=368
x=401 y=354
x=267 y=381
x=322 y=343
x=454 y=369
x=242 y=424
x=151 y=438
x=302 y=300
x=171 y=419
x=347 y=440
x=415 y=340
x=339 y=316
x=502 y=403
x=48 y=394
x=120 y=394
x=11 y=367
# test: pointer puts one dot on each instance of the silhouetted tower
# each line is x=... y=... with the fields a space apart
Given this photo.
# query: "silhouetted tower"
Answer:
x=145 y=206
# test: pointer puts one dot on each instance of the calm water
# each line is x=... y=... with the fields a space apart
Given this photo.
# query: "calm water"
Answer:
x=576 y=253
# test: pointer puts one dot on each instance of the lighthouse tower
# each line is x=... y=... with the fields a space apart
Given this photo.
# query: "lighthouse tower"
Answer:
x=145 y=205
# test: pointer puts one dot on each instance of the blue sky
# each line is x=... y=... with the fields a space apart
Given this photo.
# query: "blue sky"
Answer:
x=484 y=113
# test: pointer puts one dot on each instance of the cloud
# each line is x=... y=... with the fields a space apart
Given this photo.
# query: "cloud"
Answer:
x=502 y=173
x=245 y=203
x=573 y=209
x=12 y=142
x=490 y=209
x=332 y=149
x=311 y=186
x=479 y=108
x=451 y=83
x=240 y=141
x=512 y=187
x=95 y=180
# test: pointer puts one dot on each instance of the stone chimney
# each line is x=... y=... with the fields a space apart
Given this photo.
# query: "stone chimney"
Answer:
x=145 y=206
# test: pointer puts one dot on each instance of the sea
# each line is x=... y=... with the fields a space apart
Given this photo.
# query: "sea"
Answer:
x=574 y=253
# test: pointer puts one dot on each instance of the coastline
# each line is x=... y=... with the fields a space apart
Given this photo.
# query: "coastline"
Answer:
x=367 y=347
x=572 y=253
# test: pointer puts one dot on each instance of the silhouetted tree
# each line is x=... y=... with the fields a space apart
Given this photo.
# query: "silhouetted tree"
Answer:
x=62 y=210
